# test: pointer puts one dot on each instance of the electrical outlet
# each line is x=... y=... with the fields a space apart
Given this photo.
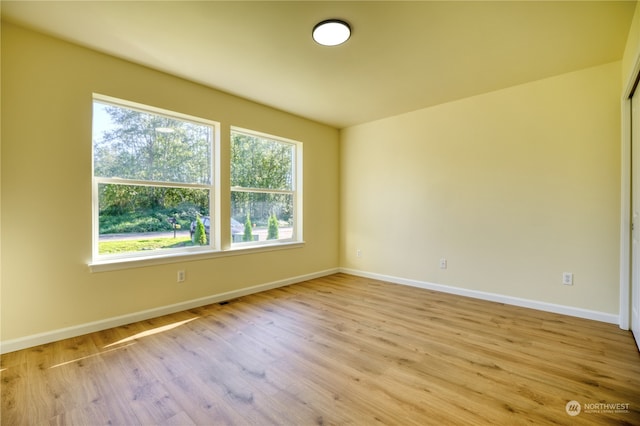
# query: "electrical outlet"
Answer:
x=443 y=263
x=567 y=278
x=358 y=253
x=181 y=276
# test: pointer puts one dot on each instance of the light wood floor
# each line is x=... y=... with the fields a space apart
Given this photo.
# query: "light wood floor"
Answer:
x=335 y=350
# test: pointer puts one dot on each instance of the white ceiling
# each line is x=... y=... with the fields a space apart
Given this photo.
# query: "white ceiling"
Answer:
x=402 y=56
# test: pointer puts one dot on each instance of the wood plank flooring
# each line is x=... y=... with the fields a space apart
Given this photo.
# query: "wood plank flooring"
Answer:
x=338 y=350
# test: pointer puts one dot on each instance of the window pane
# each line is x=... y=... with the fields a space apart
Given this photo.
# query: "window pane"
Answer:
x=271 y=216
x=131 y=144
x=258 y=162
x=136 y=218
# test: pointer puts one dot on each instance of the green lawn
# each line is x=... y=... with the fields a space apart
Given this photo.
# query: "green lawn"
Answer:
x=127 y=246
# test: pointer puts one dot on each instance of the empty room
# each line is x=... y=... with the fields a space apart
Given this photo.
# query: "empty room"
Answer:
x=319 y=213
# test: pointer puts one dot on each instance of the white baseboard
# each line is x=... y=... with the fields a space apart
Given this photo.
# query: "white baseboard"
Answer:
x=78 y=330
x=493 y=297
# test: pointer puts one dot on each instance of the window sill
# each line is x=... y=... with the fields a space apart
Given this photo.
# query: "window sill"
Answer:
x=140 y=262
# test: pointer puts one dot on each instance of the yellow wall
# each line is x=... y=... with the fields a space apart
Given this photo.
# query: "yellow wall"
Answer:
x=47 y=88
x=632 y=48
x=512 y=187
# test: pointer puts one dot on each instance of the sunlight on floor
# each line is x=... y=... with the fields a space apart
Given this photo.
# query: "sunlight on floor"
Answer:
x=151 y=332
x=129 y=340
x=89 y=356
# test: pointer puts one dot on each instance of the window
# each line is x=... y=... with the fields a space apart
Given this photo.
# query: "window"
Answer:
x=265 y=191
x=152 y=180
x=156 y=195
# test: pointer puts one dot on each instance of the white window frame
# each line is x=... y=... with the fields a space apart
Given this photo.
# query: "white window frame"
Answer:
x=100 y=260
x=295 y=191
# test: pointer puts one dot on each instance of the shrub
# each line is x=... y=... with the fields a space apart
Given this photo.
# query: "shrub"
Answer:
x=272 y=231
x=248 y=229
x=200 y=234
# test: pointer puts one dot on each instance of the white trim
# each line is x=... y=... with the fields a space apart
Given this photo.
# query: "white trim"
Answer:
x=185 y=256
x=492 y=297
x=625 y=198
x=625 y=216
x=78 y=330
x=144 y=108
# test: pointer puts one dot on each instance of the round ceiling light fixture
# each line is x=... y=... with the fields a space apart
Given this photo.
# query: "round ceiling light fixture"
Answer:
x=331 y=32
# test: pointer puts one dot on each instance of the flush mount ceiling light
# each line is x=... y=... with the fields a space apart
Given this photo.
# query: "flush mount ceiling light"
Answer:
x=331 y=32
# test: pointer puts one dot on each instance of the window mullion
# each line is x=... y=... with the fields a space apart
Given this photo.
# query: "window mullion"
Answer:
x=262 y=190
x=121 y=181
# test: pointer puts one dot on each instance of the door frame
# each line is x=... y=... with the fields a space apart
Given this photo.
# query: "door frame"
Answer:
x=625 y=198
